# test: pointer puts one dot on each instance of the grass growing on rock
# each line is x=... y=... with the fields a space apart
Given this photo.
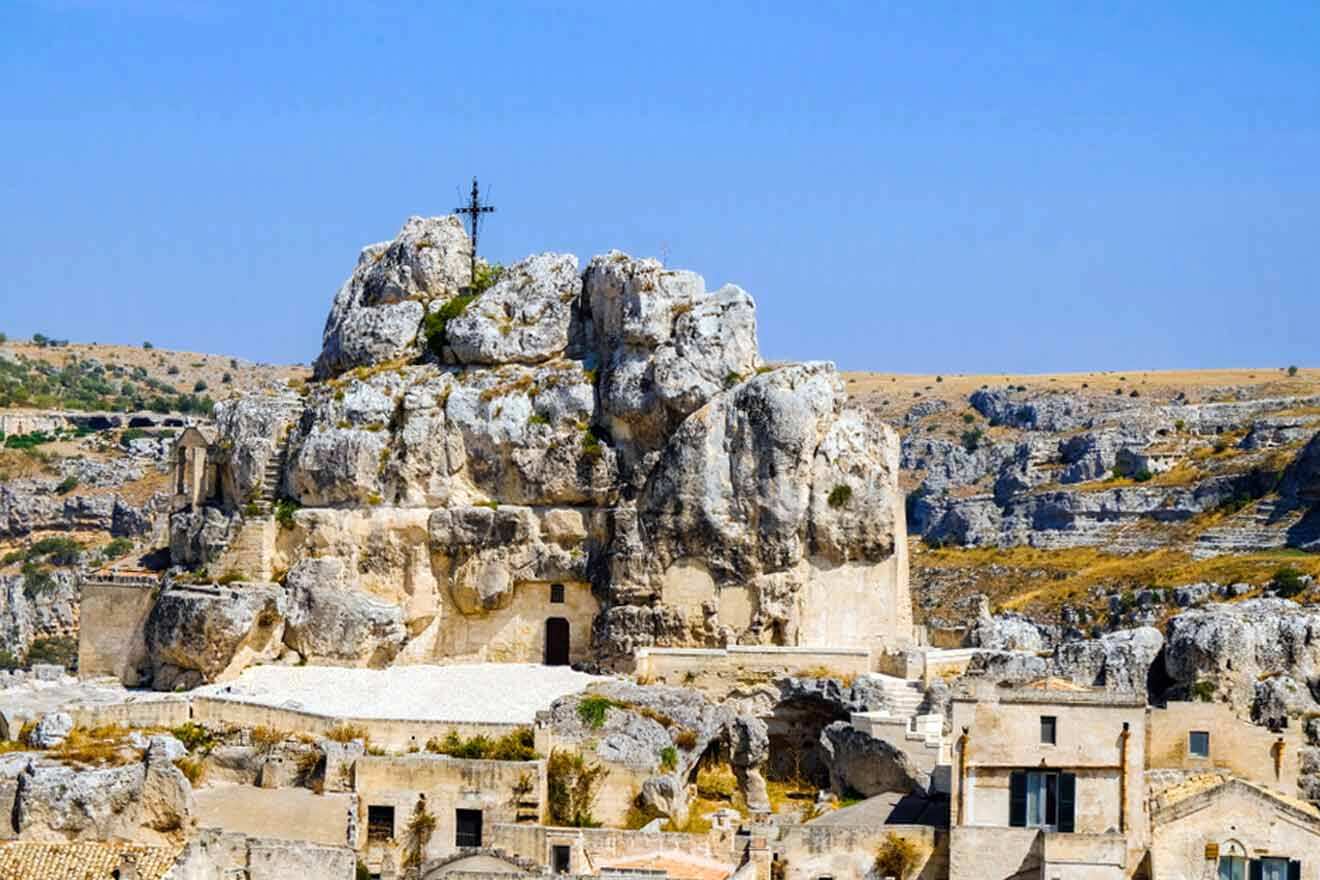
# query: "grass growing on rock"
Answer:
x=593 y=708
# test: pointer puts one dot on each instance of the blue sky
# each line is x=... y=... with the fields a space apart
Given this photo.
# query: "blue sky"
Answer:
x=926 y=187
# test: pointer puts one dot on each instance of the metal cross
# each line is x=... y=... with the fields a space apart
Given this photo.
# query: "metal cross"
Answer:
x=474 y=209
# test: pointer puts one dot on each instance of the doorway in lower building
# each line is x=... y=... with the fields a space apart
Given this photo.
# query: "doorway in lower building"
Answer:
x=556 y=641
x=467 y=825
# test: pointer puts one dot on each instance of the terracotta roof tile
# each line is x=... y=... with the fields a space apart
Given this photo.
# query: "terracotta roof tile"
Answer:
x=88 y=860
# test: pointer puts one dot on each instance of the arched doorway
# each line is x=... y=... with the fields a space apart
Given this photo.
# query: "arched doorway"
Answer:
x=556 y=641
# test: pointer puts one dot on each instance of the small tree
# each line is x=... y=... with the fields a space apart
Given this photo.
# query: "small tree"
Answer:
x=571 y=787
x=417 y=835
x=1292 y=371
x=897 y=857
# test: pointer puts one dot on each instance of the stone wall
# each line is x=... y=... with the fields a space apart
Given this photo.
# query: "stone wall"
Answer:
x=716 y=668
x=110 y=639
x=1232 y=819
x=1237 y=747
x=591 y=846
x=811 y=851
x=502 y=790
x=216 y=854
x=389 y=733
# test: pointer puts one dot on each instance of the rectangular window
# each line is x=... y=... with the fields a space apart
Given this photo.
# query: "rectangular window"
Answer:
x=561 y=858
x=467 y=828
x=380 y=822
x=1042 y=799
x=1232 y=868
x=1198 y=744
x=1273 y=869
x=1049 y=728
x=557 y=594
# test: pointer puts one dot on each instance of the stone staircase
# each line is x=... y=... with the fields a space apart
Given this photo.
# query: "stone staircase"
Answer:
x=262 y=506
x=904 y=697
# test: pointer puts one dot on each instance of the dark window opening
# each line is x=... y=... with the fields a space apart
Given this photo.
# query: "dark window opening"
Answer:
x=380 y=822
x=468 y=828
x=561 y=858
x=1049 y=729
x=557 y=594
x=1198 y=743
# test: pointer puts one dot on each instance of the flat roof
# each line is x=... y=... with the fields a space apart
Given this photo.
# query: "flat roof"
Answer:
x=498 y=693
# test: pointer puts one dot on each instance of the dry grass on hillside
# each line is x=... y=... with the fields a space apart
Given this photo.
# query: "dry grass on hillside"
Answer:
x=899 y=390
x=1039 y=581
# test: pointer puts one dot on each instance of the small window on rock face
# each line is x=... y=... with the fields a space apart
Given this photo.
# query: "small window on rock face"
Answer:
x=557 y=593
x=1198 y=744
x=1049 y=729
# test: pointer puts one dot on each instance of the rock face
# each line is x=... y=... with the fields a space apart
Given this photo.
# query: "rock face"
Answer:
x=1117 y=661
x=377 y=314
x=1028 y=486
x=1261 y=655
x=202 y=634
x=611 y=432
x=56 y=803
x=867 y=765
x=26 y=615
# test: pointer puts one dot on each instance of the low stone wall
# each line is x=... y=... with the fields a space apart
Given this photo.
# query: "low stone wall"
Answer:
x=168 y=710
x=592 y=846
x=679 y=665
x=389 y=733
x=810 y=851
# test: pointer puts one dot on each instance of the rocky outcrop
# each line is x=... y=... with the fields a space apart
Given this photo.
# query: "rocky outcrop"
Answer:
x=377 y=314
x=1117 y=661
x=868 y=765
x=56 y=803
x=35 y=505
x=31 y=610
x=197 y=634
x=1231 y=652
x=612 y=429
x=330 y=621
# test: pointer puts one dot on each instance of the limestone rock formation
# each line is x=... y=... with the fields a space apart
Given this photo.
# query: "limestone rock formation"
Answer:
x=1230 y=650
x=1117 y=661
x=377 y=314
x=868 y=765
x=54 y=802
x=611 y=432
x=199 y=634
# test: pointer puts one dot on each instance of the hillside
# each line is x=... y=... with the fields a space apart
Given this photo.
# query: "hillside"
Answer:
x=1066 y=495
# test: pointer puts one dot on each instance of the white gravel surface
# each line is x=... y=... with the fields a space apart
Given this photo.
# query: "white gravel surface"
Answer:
x=507 y=693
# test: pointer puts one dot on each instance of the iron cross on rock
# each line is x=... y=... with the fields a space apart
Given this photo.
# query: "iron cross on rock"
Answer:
x=474 y=209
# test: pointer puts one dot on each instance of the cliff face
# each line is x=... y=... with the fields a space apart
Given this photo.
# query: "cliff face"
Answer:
x=603 y=446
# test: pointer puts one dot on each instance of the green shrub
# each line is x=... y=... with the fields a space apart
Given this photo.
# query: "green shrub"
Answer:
x=8 y=661
x=971 y=440
x=1204 y=690
x=199 y=386
x=226 y=379
x=285 y=508
x=516 y=745
x=840 y=495
x=1292 y=371
x=968 y=418
x=1142 y=475
x=1287 y=582
x=57 y=550
x=897 y=857
x=60 y=650
x=668 y=759
x=36 y=580
x=592 y=710
x=173 y=370
x=147 y=346
x=434 y=324
x=195 y=737
x=116 y=548
x=131 y=434
x=487 y=275
x=67 y=485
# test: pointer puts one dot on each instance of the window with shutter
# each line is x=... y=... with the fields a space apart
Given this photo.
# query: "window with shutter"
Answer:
x=1017 y=799
x=1067 y=801
x=1255 y=871
x=1294 y=870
